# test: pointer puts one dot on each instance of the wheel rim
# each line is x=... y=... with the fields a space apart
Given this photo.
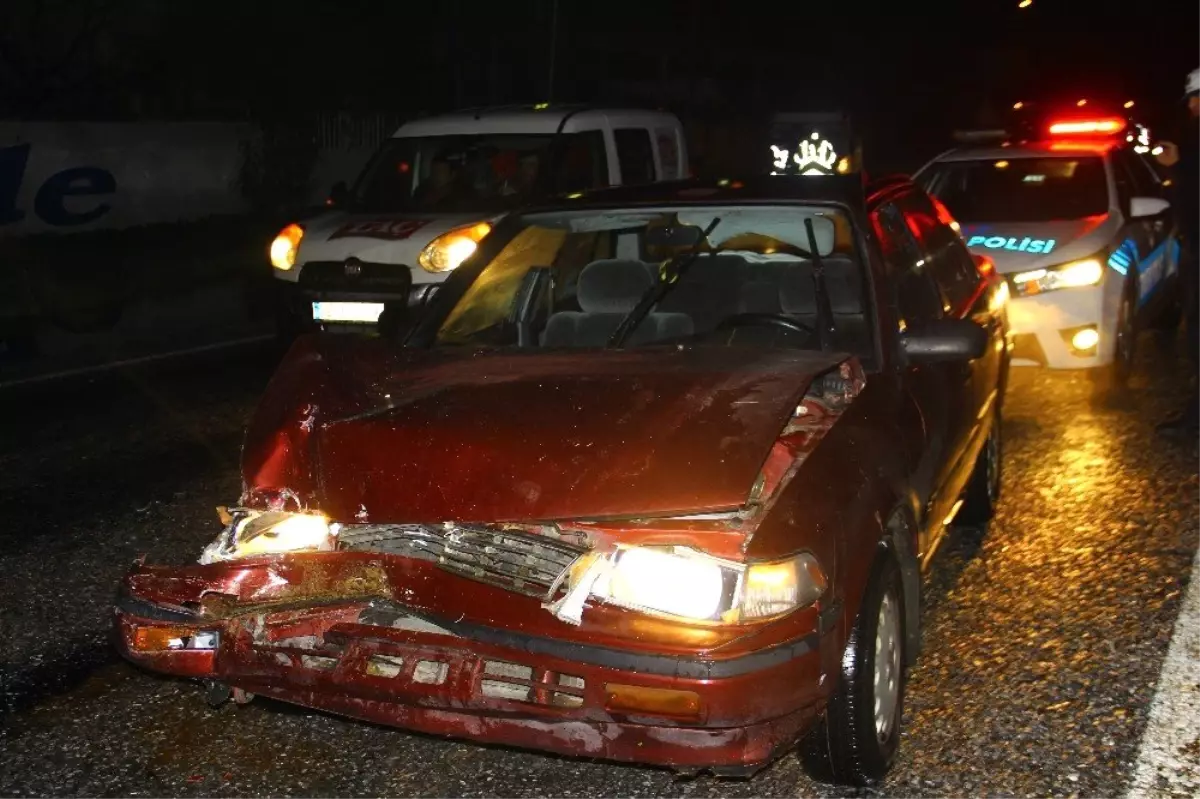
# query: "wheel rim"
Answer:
x=993 y=463
x=887 y=666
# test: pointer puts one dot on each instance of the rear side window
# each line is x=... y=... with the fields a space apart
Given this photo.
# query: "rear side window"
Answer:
x=635 y=155
x=668 y=153
x=581 y=162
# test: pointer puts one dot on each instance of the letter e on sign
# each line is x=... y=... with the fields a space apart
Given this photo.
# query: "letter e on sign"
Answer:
x=51 y=203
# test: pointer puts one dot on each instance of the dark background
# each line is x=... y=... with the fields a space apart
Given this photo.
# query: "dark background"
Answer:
x=907 y=71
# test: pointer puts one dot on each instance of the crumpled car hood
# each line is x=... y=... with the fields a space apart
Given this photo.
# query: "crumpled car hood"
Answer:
x=370 y=432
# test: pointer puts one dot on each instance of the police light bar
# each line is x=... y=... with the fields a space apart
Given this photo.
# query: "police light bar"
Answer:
x=972 y=136
x=1107 y=126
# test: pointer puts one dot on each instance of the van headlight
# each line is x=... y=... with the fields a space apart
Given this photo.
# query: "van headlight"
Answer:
x=450 y=249
x=688 y=584
x=1075 y=274
x=271 y=532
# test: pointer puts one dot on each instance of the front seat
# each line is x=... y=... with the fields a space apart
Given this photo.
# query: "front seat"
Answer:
x=608 y=290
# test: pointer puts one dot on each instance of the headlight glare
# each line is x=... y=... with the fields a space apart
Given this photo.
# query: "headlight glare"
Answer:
x=284 y=247
x=271 y=532
x=450 y=249
x=688 y=584
x=1075 y=274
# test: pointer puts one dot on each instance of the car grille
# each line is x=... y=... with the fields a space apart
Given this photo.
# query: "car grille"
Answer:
x=523 y=562
x=331 y=276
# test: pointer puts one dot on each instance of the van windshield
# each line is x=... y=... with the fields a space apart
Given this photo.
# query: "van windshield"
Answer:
x=478 y=173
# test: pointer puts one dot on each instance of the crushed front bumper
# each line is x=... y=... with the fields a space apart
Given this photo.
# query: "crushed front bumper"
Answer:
x=381 y=660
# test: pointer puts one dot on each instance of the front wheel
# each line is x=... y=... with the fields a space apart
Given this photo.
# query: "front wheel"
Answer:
x=983 y=489
x=862 y=721
x=1112 y=379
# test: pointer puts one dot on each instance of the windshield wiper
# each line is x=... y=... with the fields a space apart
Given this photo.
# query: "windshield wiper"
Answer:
x=673 y=271
x=825 y=326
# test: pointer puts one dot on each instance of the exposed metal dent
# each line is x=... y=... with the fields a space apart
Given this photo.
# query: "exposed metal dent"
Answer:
x=827 y=399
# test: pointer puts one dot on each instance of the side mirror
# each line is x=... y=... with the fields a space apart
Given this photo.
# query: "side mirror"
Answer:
x=945 y=340
x=338 y=195
x=1141 y=207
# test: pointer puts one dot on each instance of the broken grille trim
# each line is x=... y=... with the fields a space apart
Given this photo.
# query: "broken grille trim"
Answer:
x=526 y=563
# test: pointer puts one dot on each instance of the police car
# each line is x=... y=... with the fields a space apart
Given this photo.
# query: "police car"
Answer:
x=434 y=190
x=1077 y=223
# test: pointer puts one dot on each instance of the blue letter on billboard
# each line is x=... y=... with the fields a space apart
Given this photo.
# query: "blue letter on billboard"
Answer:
x=75 y=182
x=12 y=171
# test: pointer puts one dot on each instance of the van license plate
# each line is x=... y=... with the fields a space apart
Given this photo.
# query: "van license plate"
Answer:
x=362 y=312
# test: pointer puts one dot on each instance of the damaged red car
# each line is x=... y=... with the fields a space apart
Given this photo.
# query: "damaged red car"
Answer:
x=652 y=479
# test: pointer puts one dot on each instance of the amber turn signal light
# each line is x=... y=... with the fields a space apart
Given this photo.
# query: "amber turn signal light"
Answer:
x=157 y=639
x=638 y=700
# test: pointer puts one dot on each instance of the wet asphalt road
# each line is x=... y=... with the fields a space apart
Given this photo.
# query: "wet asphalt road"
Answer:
x=1044 y=635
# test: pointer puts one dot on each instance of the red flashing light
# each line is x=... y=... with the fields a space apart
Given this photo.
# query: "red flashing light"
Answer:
x=1107 y=126
x=943 y=214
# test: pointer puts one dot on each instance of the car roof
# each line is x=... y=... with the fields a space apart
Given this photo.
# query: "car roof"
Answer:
x=534 y=119
x=763 y=189
x=1036 y=149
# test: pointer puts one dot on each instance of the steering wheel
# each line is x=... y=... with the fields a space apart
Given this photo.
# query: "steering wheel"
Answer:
x=764 y=320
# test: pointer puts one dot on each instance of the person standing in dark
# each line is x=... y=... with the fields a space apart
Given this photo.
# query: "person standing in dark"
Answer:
x=1184 y=157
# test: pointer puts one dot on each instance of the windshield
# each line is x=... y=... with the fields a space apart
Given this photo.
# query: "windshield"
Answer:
x=1021 y=189
x=469 y=173
x=571 y=279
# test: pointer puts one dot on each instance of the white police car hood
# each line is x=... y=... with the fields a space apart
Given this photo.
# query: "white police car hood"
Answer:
x=379 y=238
x=1020 y=246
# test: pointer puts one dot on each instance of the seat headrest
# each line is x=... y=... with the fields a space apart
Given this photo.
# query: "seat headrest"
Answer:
x=613 y=286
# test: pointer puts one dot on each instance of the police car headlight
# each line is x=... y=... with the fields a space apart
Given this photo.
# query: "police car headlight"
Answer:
x=450 y=249
x=687 y=584
x=271 y=532
x=284 y=247
x=1088 y=272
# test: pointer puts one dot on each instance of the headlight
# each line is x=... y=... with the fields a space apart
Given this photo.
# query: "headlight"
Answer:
x=271 y=532
x=681 y=582
x=283 y=249
x=450 y=249
x=1087 y=272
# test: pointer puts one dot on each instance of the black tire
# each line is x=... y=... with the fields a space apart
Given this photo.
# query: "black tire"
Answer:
x=983 y=489
x=1169 y=318
x=861 y=743
x=1113 y=378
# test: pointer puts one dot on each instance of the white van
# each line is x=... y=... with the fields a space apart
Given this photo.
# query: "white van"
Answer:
x=435 y=188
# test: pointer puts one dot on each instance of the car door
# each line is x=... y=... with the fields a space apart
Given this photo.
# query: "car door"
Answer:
x=935 y=389
x=966 y=294
x=1166 y=224
x=1147 y=237
x=968 y=379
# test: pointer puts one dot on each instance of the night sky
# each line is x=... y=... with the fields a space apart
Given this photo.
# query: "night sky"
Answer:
x=909 y=71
